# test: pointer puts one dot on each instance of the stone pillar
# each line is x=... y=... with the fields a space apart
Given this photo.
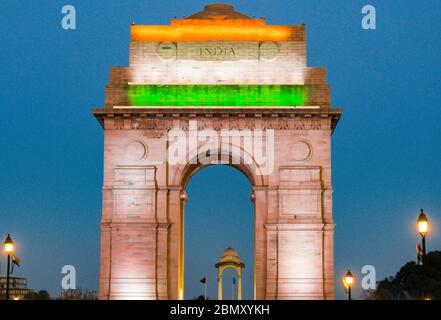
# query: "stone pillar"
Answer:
x=105 y=268
x=239 y=283
x=271 y=244
x=260 y=245
x=328 y=261
x=162 y=241
x=303 y=250
x=175 y=244
x=133 y=261
x=271 y=262
x=300 y=261
x=219 y=286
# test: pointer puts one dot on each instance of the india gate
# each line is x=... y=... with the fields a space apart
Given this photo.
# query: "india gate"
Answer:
x=217 y=87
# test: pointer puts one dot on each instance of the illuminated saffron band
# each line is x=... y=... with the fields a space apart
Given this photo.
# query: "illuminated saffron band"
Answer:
x=212 y=30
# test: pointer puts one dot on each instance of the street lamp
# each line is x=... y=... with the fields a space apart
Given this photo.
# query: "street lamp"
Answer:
x=348 y=281
x=423 y=229
x=9 y=250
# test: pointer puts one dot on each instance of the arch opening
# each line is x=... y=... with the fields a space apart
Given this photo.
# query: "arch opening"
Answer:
x=239 y=159
x=229 y=284
x=209 y=228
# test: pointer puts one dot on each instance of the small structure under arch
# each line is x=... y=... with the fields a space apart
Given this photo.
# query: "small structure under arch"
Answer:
x=230 y=259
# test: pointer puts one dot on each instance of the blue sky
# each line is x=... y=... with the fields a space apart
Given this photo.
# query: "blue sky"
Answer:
x=386 y=148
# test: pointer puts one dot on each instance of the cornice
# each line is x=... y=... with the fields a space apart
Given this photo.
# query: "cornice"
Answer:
x=264 y=114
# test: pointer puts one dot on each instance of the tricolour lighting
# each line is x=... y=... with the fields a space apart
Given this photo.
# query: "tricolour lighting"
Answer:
x=217 y=95
x=245 y=31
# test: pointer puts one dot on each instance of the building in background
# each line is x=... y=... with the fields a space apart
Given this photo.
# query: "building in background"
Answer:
x=18 y=288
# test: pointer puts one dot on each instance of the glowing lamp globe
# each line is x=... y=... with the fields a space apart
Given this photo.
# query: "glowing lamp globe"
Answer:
x=423 y=223
x=9 y=245
x=348 y=279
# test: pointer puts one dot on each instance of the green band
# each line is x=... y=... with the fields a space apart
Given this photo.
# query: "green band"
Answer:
x=217 y=95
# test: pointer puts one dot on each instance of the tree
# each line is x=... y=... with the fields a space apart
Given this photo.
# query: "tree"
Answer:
x=40 y=295
x=43 y=295
x=412 y=281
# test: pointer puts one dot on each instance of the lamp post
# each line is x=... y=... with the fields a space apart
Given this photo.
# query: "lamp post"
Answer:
x=9 y=250
x=348 y=281
x=423 y=229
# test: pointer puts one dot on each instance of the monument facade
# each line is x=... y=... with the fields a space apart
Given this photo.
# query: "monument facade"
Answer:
x=222 y=78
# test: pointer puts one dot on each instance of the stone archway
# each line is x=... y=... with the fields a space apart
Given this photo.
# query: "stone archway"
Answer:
x=265 y=86
x=142 y=226
x=234 y=157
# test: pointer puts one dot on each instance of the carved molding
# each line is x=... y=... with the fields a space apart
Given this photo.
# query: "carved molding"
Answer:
x=163 y=125
x=153 y=119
